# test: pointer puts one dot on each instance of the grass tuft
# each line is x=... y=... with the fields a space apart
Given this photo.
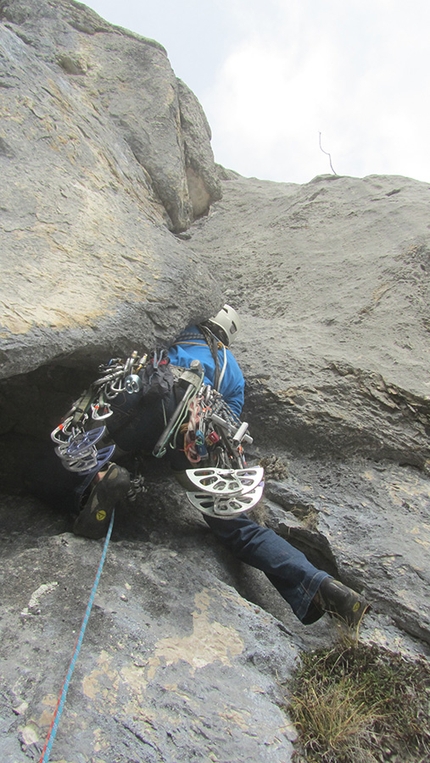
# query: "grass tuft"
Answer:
x=361 y=704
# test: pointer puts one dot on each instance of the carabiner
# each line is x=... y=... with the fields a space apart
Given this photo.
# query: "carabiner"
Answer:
x=61 y=435
x=113 y=389
x=101 y=406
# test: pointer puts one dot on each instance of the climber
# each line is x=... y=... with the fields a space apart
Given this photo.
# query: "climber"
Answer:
x=136 y=425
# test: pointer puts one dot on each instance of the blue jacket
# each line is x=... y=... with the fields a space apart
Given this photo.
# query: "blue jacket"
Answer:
x=233 y=382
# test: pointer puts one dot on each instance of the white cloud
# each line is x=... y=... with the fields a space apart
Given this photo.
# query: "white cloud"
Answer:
x=273 y=74
x=268 y=105
x=356 y=72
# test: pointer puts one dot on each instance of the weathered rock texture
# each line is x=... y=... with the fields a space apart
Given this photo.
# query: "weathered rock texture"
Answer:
x=105 y=158
x=99 y=164
x=334 y=277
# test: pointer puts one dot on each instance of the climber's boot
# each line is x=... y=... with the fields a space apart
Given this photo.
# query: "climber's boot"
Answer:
x=341 y=602
x=94 y=518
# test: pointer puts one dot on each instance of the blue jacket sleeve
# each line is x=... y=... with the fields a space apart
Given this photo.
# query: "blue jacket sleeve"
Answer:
x=233 y=382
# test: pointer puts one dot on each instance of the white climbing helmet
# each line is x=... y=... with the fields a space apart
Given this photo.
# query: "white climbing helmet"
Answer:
x=225 y=324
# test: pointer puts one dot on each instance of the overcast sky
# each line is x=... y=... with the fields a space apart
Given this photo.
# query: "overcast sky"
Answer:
x=279 y=80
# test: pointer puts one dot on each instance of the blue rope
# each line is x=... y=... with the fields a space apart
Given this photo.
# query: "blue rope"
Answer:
x=62 y=699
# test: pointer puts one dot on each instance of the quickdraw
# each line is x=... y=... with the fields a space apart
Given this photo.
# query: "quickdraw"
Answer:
x=194 y=440
x=214 y=434
x=76 y=444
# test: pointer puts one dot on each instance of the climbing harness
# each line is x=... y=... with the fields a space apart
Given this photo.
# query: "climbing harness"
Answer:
x=63 y=695
x=191 y=379
x=214 y=435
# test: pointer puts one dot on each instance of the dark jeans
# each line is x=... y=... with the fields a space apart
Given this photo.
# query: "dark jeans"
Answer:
x=287 y=568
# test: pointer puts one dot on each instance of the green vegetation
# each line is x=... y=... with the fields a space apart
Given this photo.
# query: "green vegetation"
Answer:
x=361 y=704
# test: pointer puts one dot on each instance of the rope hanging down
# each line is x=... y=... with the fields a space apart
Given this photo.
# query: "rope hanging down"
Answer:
x=62 y=698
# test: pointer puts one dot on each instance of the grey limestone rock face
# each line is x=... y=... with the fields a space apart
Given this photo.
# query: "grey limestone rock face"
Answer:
x=94 y=185
x=129 y=81
x=116 y=230
x=333 y=277
x=203 y=185
x=176 y=664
